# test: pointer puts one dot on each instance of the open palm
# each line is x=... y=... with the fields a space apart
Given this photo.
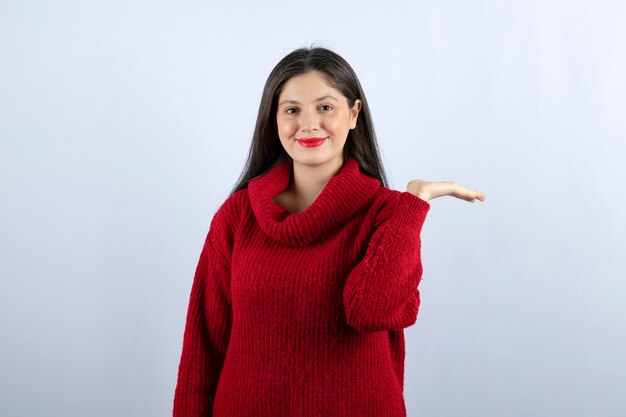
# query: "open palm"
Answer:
x=428 y=190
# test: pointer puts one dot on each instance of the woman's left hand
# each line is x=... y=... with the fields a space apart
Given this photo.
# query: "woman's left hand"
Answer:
x=429 y=190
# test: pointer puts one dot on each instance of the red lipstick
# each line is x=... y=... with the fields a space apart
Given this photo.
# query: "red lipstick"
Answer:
x=311 y=142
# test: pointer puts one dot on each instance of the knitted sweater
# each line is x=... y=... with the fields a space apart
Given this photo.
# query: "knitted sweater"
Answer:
x=303 y=314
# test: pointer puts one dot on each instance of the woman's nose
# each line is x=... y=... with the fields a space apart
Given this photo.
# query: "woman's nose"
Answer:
x=309 y=120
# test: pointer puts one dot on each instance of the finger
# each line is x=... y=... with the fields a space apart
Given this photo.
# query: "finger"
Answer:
x=464 y=197
x=461 y=192
x=469 y=195
x=479 y=196
x=472 y=194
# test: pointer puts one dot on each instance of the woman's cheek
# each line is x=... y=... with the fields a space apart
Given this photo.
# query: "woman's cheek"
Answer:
x=289 y=128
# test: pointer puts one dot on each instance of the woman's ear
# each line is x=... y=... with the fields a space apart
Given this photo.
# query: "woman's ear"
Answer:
x=355 y=112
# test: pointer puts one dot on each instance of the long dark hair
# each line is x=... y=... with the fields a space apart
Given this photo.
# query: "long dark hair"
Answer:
x=266 y=149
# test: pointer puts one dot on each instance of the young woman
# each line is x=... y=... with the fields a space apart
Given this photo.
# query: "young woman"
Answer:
x=310 y=268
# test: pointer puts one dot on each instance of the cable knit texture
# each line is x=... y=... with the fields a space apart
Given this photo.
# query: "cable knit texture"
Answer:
x=303 y=314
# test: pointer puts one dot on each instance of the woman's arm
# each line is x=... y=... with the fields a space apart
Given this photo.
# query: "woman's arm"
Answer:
x=381 y=291
x=207 y=330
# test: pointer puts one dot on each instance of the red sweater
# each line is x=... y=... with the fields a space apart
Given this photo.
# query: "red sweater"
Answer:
x=303 y=314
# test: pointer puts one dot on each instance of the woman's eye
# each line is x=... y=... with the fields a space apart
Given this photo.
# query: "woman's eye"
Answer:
x=293 y=110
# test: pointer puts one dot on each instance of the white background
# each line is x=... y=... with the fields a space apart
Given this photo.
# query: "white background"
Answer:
x=123 y=125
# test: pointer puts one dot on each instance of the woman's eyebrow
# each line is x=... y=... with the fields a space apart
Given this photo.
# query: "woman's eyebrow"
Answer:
x=297 y=102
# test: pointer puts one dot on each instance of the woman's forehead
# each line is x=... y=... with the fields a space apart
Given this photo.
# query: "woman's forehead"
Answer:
x=311 y=86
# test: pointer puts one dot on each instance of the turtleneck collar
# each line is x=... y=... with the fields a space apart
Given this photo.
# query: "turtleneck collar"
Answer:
x=344 y=194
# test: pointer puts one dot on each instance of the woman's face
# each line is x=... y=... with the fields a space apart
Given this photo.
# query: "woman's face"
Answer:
x=309 y=108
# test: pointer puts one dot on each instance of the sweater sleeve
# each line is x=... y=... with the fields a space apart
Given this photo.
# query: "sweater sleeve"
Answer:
x=207 y=328
x=381 y=291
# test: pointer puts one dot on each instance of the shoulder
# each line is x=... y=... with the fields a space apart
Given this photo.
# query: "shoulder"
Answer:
x=229 y=212
x=226 y=220
x=384 y=203
x=388 y=202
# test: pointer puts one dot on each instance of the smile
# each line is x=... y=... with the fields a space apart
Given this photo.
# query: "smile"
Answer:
x=311 y=142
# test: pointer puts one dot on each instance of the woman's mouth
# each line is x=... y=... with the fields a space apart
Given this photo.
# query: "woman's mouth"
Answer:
x=311 y=142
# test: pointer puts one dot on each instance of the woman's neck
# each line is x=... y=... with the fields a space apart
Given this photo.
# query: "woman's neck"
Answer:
x=306 y=184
